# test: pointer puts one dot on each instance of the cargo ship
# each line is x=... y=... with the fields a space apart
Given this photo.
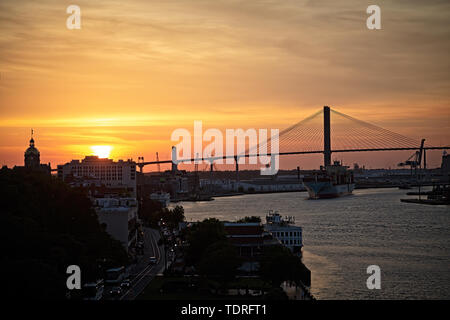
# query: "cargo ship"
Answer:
x=330 y=182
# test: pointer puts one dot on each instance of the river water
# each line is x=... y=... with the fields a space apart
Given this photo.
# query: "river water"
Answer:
x=343 y=236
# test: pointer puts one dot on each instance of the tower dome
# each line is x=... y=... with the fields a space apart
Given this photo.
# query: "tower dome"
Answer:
x=32 y=155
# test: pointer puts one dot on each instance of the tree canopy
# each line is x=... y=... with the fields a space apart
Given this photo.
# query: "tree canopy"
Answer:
x=151 y=212
x=201 y=236
x=250 y=219
x=47 y=226
x=220 y=260
x=278 y=264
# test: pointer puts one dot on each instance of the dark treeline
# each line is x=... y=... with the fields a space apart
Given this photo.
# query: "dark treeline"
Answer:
x=47 y=226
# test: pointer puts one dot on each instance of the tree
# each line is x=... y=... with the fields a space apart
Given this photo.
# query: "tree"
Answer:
x=174 y=216
x=247 y=219
x=278 y=264
x=202 y=235
x=220 y=260
x=150 y=211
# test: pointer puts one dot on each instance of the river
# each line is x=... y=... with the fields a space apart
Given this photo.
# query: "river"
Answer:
x=343 y=236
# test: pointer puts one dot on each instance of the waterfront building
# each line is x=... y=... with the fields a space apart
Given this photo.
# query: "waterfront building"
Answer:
x=248 y=237
x=161 y=197
x=176 y=184
x=120 y=217
x=266 y=185
x=117 y=176
x=257 y=185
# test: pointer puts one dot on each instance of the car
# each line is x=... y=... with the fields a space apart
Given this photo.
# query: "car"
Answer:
x=115 y=291
x=152 y=260
x=125 y=284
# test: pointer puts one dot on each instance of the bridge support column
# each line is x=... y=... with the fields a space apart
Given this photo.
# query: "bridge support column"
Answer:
x=140 y=164
x=236 y=159
x=326 y=136
x=174 y=159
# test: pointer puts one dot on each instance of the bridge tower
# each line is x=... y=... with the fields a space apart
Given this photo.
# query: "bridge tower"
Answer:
x=236 y=159
x=326 y=136
x=174 y=160
x=140 y=164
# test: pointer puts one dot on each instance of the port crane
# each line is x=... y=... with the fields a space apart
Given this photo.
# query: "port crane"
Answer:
x=415 y=160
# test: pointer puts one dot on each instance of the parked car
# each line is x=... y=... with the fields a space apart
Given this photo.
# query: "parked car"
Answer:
x=115 y=291
x=125 y=284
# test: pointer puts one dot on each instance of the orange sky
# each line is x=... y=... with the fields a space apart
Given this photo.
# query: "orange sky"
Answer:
x=137 y=70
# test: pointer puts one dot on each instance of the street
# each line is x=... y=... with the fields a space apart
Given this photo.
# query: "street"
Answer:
x=144 y=271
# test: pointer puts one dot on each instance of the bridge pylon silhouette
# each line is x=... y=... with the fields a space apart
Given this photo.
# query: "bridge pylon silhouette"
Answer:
x=325 y=132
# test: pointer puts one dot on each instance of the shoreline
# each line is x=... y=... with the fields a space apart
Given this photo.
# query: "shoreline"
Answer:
x=212 y=197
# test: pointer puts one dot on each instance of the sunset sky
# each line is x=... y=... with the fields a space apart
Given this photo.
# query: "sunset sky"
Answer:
x=139 y=69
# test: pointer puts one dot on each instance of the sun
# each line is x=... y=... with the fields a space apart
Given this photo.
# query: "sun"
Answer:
x=101 y=151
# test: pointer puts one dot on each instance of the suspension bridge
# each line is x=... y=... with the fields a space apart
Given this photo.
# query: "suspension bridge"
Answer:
x=325 y=132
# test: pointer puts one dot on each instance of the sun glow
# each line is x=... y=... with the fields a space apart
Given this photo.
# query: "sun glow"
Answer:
x=101 y=151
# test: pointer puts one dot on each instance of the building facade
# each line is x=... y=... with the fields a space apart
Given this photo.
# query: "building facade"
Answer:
x=247 y=237
x=120 y=217
x=92 y=170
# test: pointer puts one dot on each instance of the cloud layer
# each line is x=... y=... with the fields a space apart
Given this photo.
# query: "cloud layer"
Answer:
x=261 y=63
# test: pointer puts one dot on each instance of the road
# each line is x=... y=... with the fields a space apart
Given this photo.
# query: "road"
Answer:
x=144 y=271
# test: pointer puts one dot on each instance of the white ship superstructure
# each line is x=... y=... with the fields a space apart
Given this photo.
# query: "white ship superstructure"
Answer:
x=285 y=230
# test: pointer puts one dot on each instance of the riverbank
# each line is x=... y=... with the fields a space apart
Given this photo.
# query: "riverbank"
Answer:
x=233 y=194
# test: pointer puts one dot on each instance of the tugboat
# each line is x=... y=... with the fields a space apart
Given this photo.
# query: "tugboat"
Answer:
x=440 y=195
x=330 y=182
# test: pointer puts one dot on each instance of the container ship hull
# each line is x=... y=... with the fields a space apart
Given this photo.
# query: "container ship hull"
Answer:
x=325 y=189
